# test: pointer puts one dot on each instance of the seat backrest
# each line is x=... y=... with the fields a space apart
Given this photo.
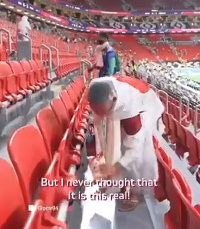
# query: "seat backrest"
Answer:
x=12 y=206
x=3 y=53
x=67 y=102
x=25 y=65
x=60 y=112
x=50 y=129
x=30 y=159
x=11 y=81
x=192 y=145
x=5 y=69
x=16 y=67
x=190 y=215
x=175 y=203
x=185 y=188
x=33 y=65
x=18 y=70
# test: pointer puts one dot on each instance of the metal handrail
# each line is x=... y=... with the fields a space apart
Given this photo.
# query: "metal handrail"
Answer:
x=181 y=109
x=154 y=88
x=196 y=117
x=87 y=63
x=57 y=55
x=43 y=46
x=161 y=92
x=56 y=42
x=9 y=38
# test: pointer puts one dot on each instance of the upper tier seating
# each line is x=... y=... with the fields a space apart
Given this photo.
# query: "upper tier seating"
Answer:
x=137 y=4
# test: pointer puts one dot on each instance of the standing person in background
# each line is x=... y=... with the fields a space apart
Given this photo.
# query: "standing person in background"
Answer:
x=108 y=55
x=24 y=28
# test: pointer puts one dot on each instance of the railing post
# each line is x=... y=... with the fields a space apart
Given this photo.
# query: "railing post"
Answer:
x=181 y=109
x=161 y=92
x=9 y=38
x=87 y=63
x=57 y=55
x=43 y=46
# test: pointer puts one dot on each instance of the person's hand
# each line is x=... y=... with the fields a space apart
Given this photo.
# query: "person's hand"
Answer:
x=109 y=171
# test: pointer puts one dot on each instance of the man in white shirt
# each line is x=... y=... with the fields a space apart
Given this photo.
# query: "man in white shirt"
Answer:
x=138 y=108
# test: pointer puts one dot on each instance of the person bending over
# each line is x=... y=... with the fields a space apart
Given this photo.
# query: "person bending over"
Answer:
x=138 y=108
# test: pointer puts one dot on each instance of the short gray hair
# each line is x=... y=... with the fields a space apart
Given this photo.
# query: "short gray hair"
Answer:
x=99 y=92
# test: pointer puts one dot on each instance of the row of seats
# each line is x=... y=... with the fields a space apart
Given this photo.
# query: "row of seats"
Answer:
x=173 y=187
x=38 y=38
x=18 y=79
x=184 y=139
x=52 y=149
x=174 y=109
x=66 y=67
x=25 y=83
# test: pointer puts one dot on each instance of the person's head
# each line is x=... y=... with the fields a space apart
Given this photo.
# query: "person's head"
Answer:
x=103 y=37
x=24 y=19
x=102 y=97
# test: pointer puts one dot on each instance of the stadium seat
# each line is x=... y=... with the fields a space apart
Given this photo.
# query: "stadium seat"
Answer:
x=191 y=142
x=23 y=77
x=40 y=80
x=60 y=112
x=67 y=102
x=51 y=130
x=12 y=208
x=173 y=131
x=44 y=71
x=30 y=159
x=11 y=90
x=190 y=214
x=32 y=76
x=164 y=170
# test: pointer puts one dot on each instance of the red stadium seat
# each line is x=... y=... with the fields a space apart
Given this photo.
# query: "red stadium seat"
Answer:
x=190 y=215
x=165 y=119
x=3 y=53
x=164 y=166
x=173 y=217
x=181 y=146
x=51 y=130
x=12 y=206
x=44 y=71
x=30 y=159
x=67 y=102
x=22 y=76
x=32 y=76
x=191 y=142
x=61 y=113
x=11 y=91
x=173 y=131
